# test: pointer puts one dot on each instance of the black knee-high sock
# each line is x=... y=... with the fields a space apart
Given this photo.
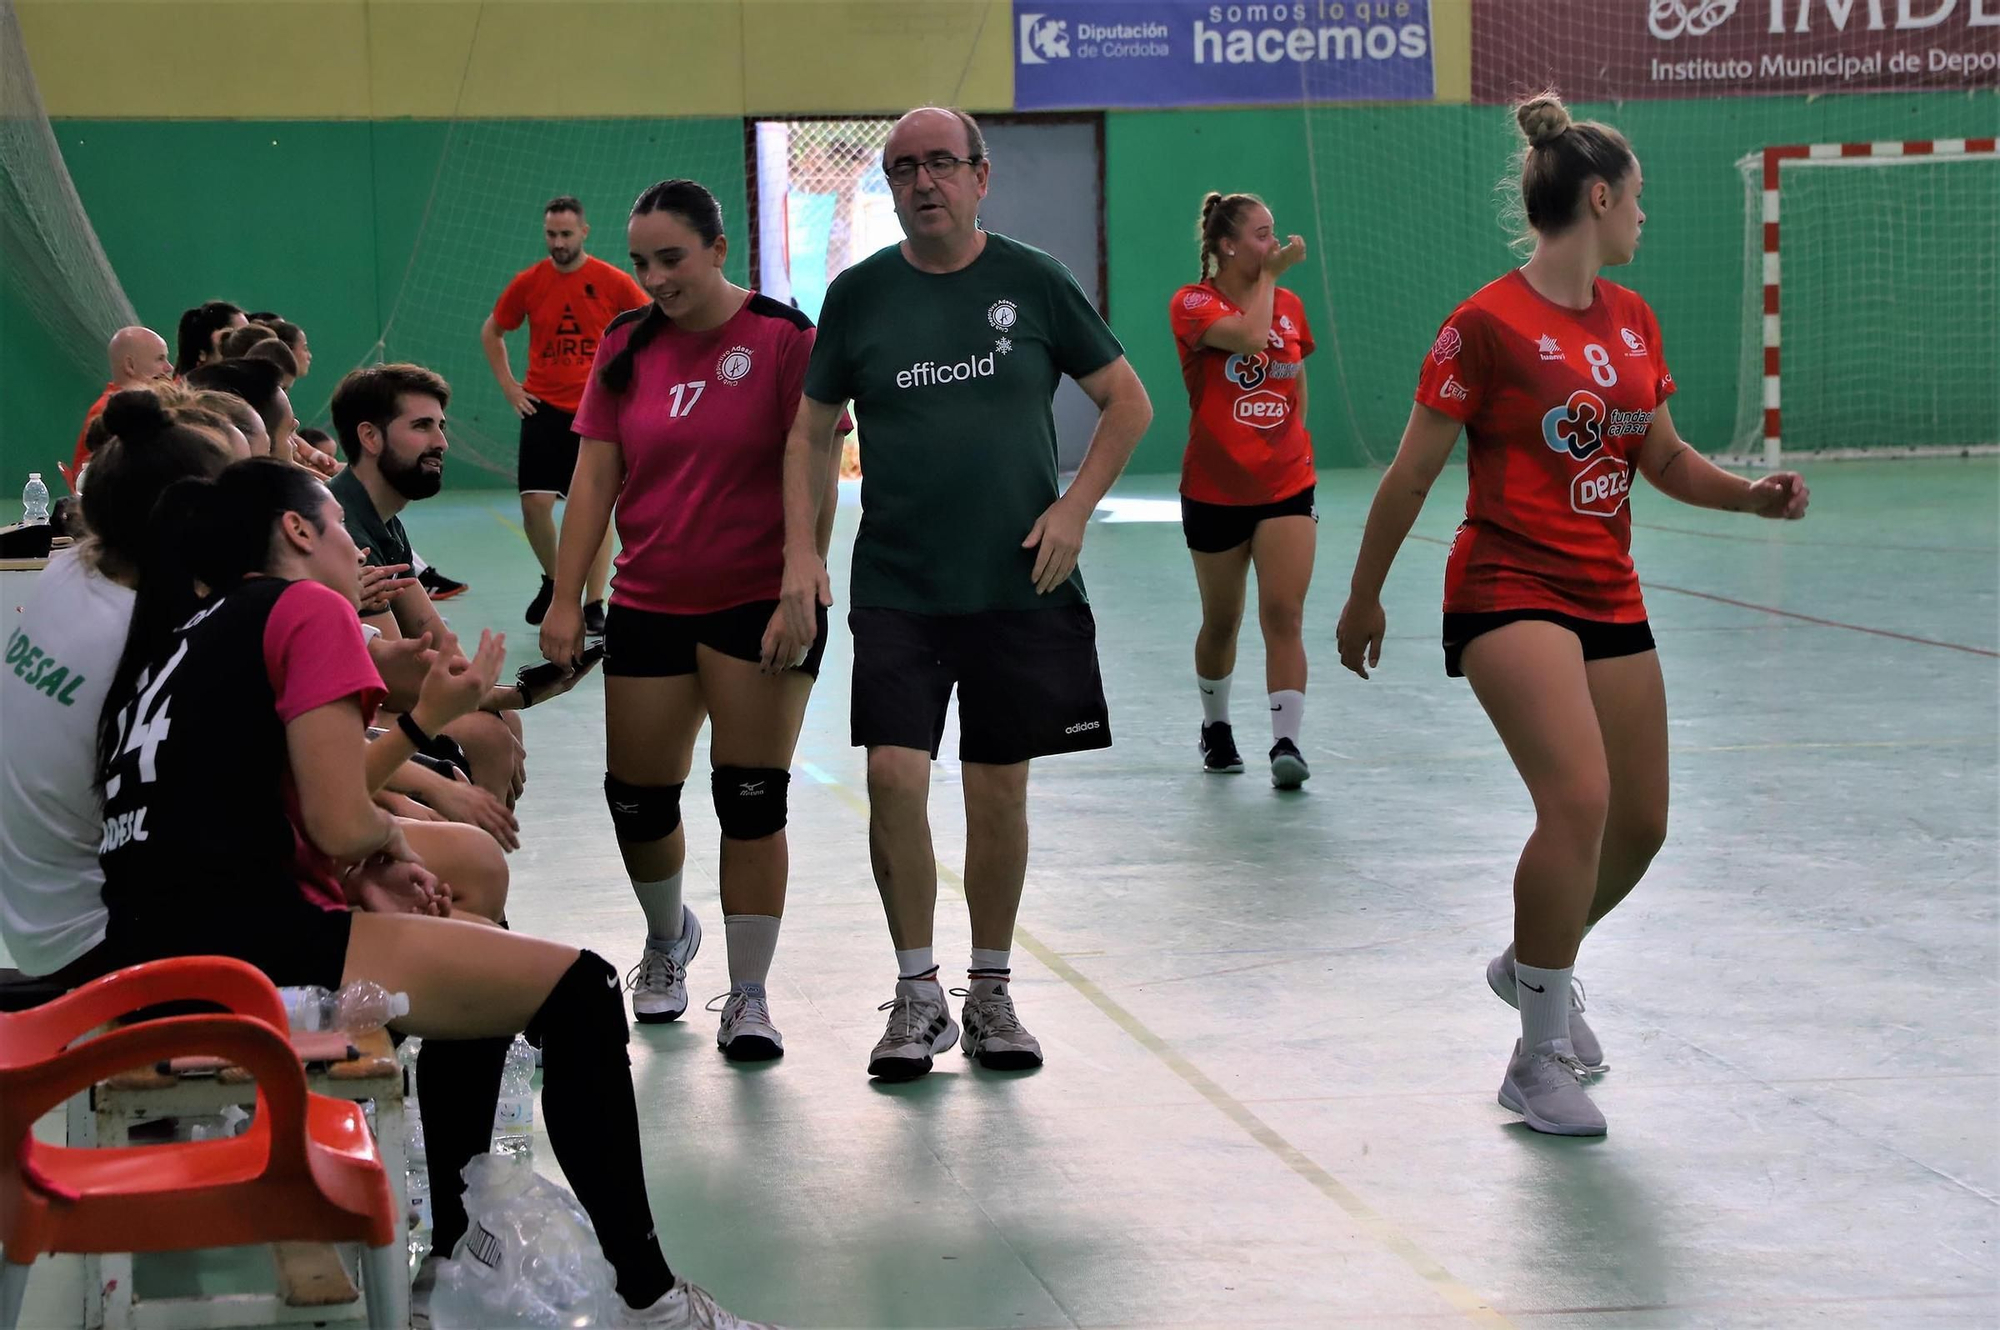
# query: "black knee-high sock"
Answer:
x=593 y=1120
x=458 y=1088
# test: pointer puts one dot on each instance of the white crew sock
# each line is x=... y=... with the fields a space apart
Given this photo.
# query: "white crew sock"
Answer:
x=1544 y=997
x=990 y=963
x=753 y=940
x=1288 y=712
x=662 y=903
x=913 y=962
x=1214 y=699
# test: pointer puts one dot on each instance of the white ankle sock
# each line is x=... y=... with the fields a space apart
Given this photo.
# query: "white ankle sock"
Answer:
x=914 y=961
x=1544 y=997
x=662 y=903
x=753 y=940
x=1288 y=713
x=989 y=962
x=1214 y=699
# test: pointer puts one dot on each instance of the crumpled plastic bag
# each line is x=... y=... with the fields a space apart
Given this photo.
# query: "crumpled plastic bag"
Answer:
x=529 y=1256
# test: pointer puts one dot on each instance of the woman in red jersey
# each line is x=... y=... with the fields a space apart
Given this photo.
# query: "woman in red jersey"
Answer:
x=1558 y=378
x=683 y=427
x=1247 y=476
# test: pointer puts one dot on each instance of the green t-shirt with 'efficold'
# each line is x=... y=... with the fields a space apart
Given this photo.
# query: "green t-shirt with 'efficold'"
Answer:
x=952 y=376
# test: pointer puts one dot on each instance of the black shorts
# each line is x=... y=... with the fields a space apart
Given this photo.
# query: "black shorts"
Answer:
x=640 y=644
x=1212 y=528
x=1027 y=680
x=294 y=942
x=1601 y=641
x=548 y=451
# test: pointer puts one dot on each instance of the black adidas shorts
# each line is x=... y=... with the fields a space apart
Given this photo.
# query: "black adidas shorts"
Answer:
x=1212 y=528
x=1601 y=641
x=641 y=644
x=1027 y=680
x=548 y=451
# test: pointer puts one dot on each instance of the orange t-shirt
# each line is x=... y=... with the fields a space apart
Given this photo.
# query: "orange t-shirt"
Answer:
x=566 y=312
x=82 y=454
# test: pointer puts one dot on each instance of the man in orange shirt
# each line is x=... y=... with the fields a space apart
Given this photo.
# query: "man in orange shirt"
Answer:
x=566 y=302
x=138 y=357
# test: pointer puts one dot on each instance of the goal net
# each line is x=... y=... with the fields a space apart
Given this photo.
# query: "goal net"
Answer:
x=53 y=264
x=1871 y=310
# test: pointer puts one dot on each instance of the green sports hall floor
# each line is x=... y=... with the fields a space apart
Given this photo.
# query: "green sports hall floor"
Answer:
x=1272 y=1055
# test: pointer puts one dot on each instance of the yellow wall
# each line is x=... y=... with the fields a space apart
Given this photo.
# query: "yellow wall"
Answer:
x=443 y=59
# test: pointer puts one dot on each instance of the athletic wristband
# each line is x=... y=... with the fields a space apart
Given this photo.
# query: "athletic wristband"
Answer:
x=409 y=728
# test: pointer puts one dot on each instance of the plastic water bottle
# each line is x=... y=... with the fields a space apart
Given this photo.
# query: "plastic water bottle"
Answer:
x=417 y=1188
x=514 y=1119
x=35 y=501
x=357 y=1008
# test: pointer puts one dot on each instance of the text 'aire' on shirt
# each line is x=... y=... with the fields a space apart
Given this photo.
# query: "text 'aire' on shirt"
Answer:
x=566 y=314
x=952 y=376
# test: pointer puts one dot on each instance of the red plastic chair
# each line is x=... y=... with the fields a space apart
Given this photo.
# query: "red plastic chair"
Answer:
x=306 y=1169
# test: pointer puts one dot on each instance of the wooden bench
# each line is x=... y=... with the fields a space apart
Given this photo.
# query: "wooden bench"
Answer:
x=315 y=1284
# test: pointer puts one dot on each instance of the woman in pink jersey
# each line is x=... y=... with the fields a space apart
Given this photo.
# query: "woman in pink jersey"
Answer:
x=1558 y=379
x=683 y=426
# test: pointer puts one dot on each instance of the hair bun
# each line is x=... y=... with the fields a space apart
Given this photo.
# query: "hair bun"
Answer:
x=135 y=415
x=1542 y=118
x=1208 y=203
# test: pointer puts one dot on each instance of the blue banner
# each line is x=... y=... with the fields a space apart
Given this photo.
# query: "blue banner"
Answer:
x=1084 y=54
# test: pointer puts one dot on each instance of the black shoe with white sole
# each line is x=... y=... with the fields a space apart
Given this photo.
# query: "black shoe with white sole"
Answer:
x=1288 y=766
x=1218 y=750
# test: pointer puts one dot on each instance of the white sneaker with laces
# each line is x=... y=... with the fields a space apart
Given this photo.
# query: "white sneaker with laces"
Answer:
x=993 y=1032
x=1544 y=1084
x=659 y=981
x=746 y=1033
x=683 y=1307
x=920 y=1027
x=1583 y=1040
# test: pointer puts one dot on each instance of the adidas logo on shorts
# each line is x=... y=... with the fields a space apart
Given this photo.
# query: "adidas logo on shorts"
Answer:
x=1083 y=727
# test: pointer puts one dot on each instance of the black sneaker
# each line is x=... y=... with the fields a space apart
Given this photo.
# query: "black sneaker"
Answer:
x=439 y=587
x=1288 y=768
x=593 y=619
x=538 y=608
x=1218 y=750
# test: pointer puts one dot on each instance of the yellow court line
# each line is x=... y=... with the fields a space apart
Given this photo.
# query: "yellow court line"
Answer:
x=508 y=522
x=1427 y=1267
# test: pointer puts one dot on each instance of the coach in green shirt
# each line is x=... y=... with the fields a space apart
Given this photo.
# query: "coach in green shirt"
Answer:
x=951 y=345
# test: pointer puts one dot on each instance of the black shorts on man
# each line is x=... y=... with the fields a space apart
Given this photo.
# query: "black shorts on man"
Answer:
x=1027 y=681
x=548 y=451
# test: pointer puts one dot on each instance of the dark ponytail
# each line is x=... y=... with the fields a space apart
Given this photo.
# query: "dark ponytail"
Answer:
x=693 y=204
x=145 y=451
x=214 y=532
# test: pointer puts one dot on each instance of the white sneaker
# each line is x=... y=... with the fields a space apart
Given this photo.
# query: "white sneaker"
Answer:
x=746 y=1033
x=920 y=1027
x=1545 y=1085
x=659 y=981
x=993 y=1033
x=682 y=1307
x=1583 y=1040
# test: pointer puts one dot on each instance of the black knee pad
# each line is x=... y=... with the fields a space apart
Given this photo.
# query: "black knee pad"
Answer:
x=583 y=1015
x=641 y=813
x=750 y=802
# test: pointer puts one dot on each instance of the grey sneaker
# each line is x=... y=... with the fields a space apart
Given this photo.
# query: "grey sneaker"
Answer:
x=659 y=981
x=920 y=1027
x=1583 y=1040
x=421 y=1289
x=993 y=1033
x=746 y=1033
x=1545 y=1085
x=682 y=1307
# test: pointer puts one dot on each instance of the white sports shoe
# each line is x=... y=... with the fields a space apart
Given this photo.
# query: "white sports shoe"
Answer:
x=993 y=1033
x=1545 y=1085
x=683 y=1307
x=746 y=1033
x=920 y=1027
x=1583 y=1040
x=659 y=981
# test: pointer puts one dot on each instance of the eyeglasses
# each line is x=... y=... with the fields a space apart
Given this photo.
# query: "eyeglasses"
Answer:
x=939 y=166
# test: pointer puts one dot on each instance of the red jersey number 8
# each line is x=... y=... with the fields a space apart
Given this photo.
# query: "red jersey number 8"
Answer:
x=1601 y=368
